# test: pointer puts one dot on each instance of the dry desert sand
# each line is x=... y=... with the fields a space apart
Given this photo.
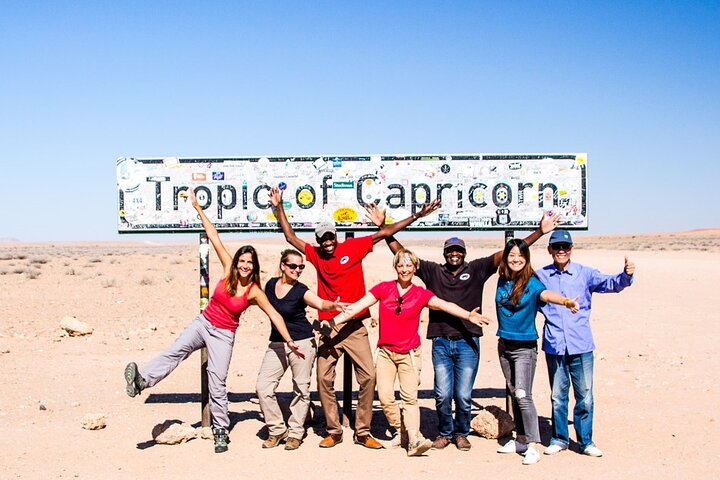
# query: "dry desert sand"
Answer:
x=656 y=374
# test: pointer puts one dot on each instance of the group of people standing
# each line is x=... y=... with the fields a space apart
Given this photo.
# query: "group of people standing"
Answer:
x=453 y=292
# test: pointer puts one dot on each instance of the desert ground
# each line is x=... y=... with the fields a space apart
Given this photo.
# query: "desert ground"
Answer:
x=656 y=370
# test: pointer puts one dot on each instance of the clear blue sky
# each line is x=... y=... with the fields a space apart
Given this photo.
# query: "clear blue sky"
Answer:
x=634 y=84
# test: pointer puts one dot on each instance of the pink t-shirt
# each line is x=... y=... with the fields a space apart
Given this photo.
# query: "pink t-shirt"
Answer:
x=341 y=275
x=223 y=311
x=399 y=331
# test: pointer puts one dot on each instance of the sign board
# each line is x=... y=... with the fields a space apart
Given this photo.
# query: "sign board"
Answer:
x=478 y=191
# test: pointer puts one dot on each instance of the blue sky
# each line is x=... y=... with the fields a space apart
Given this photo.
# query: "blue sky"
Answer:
x=634 y=84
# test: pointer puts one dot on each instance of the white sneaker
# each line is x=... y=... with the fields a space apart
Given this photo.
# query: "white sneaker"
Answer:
x=554 y=448
x=531 y=456
x=592 y=451
x=513 y=447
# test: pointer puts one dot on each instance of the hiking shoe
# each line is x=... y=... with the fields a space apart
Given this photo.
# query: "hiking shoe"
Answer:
x=221 y=440
x=331 y=440
x=274 y=440
x=592 y=451
x=135 y=382
x=513 y=446
x=532 y=456
x=554 y=448
x=368 y=441
x=292 y=443
x=462 y=443
x=421 y=446
x=440 y=442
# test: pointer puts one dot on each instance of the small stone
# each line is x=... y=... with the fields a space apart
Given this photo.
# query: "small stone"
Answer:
x=42 y=407
x=93 y=421
x=75 y=327
x=172 y=432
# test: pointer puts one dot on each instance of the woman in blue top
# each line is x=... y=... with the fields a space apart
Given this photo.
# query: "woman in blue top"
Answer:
x=518 y=299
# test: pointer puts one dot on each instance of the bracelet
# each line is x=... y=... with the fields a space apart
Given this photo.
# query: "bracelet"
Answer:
x=566 y=301
x=415 y=216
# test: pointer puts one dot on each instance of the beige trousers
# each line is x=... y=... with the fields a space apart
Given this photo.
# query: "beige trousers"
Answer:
x=406 y=368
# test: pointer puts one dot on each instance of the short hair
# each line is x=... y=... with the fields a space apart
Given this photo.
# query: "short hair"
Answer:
x=405 y=255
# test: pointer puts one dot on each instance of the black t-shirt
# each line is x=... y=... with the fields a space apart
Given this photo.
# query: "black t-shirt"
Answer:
x=465 y=289
x=292 y=309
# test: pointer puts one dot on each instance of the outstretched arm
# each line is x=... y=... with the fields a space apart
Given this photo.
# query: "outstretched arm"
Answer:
x=386 y=231
x=212 y=234
x=259 y=298
x=549 y=296
x=548 y=222
x=367 y=301
x=313 y=300
x=457 y=311
x=290 y=237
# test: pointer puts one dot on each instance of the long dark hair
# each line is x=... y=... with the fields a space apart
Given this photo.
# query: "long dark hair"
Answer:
x=233 y=279
x=520 y=279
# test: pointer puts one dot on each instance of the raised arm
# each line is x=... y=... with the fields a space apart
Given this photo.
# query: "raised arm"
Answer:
x=549 y=296
x=258 y=297
x=386 y=230
x=455 y=310
x=290 y=237
x=548 y=222
x=212 y=234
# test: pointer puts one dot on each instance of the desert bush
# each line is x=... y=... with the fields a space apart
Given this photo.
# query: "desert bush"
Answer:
x=145 y=280
x=38 y=260
x=32 y=274
x=109 y=282
x=70 y=271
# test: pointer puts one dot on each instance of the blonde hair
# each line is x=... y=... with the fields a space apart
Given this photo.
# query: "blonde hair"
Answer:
x=404 y=255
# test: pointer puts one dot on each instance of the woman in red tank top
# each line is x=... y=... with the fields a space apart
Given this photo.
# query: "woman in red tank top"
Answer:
x=215 y=329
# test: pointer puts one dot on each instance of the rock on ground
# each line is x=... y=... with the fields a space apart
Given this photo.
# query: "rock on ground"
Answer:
x=75 y=327
x=492 y=422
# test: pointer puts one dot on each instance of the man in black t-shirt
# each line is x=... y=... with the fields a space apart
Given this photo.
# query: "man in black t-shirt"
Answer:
x=456 y=342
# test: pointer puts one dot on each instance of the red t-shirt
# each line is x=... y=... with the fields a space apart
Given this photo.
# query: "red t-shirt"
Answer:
x=399 y=331
x=341 y=275
x=223 y=311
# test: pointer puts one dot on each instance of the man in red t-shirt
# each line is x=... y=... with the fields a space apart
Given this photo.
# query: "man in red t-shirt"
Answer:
x=340 y=276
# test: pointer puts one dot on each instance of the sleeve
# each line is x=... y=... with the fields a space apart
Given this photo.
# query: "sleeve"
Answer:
x=377 y=291
x=600 y=283
x=486 y=265
x=426 y=296
x=362 y=246
x=426 y=269
x=311 y=254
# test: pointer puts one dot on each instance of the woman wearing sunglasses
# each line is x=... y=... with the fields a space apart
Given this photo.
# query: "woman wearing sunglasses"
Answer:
x=289 y=297
x=399 y=354
x=518 y=298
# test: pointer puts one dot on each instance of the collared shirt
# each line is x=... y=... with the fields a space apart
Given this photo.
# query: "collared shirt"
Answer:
x=565 y=332
x=464 y=287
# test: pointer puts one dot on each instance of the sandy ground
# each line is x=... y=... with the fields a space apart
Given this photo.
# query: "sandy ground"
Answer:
x=656 y=368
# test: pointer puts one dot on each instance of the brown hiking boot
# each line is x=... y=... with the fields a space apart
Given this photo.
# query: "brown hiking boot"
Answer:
x=274 y=440
x=462 y=443
x=440 y=442
x=331 y=440
x=368 y=441
x=292 y=443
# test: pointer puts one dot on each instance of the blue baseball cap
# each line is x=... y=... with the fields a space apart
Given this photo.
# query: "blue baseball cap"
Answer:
x=560 y=236
x=454 y=242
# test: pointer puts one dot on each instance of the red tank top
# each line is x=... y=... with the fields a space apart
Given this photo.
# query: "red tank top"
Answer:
x=223 y=311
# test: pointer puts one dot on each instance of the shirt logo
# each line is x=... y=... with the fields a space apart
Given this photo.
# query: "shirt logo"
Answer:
x=344 y=260
x=464 y=276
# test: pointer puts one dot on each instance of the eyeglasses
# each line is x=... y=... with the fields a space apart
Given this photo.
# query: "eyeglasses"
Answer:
x=398 y=309
x=561 y=246
x=295 y=266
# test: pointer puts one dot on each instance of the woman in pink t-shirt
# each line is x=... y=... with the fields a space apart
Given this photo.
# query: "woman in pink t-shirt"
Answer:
x=214 y=329
x=398 y=354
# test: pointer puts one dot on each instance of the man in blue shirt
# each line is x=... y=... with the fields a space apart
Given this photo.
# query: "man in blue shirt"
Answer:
x=568 y=341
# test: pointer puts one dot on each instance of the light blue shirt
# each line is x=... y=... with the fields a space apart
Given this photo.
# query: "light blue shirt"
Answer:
x=565 y=332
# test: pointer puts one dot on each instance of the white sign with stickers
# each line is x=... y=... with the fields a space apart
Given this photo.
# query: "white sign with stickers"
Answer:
x=478 y=191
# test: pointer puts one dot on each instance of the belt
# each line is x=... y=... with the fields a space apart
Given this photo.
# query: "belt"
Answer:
x=451 y=337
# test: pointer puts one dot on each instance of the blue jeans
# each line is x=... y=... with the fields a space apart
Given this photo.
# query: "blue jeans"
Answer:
x=456 y=366
x=578 y=370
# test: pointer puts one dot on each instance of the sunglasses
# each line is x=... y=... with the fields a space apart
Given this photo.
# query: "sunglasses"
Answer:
x=398 y=309
x=561 y=246
x=295 y=266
